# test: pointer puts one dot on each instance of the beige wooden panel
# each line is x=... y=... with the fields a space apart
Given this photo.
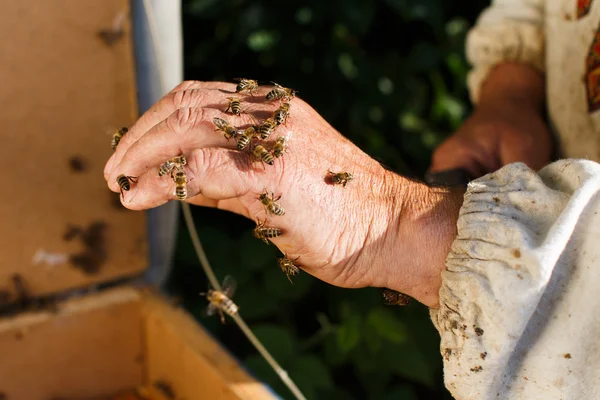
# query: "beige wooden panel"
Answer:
x=183 y=356
x=92 y=346
x=62 y=89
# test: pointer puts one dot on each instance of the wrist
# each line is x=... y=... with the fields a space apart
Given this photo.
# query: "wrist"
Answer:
x=422 y=229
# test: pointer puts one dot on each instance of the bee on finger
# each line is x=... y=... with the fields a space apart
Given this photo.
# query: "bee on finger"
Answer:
x=117 y=137
x=279 y=147
x=264 y=233
x=246 y=85
x=260 y=153
x=180 y=183
x=245 y=137
x=169 y=166
x=282 y=113
x=394 y=298
x=288 y=266
x=235 y=105
x=228 y=130
x=281 y=93
x=266 y=128
x=220 y=300
x=340 y=178
x=270 y=203
x=125 y=182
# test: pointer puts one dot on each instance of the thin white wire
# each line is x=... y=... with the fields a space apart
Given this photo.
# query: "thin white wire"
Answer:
x=187 y=213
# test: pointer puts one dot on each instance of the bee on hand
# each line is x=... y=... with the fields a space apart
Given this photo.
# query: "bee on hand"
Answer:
x=246 y=85
x=124 y=183
x=270 y=203
x=229 y=131
x=264 y=233
x=282 y=113
x=260 y=153
x=394 y=298
x=289 y=266
x=220 y=300
x=117 y=137
x=235 y=105
x=340 y=178
x=280 y=92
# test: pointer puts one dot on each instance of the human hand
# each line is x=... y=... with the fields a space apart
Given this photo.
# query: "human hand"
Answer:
x=380 y=230
x=507 y=126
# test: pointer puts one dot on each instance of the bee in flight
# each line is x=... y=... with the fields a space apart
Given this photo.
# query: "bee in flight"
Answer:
x=279 y=146
x=220 y=300
x=263 y=233
x=245 y=137
x=270 y=203
x=235 y=105
x=266 y=128
x=394 y=298
x=289 y=266
x=280 y=92
x=180 y=183
x=282 y=113
x=169 y=166
x=246 y=85
x=117 y=137
x=340 y=178
x=260 y=153
x=124 y=182
x=229 y=131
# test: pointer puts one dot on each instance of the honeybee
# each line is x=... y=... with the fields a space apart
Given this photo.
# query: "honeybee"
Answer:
x=264 y=234
x=117 y=137
x=245 y=137
x=280 y=92
x=260 y=153
x=180 y=183
x=220 y=300
x=229 y=131
x=124 y=182
x=270 y=204
x=288 y=266
x=394 y=298
x=169 y=166
x=279 y=146
x=235 y=105
x=246 y=85
x=340 y=178
x=281 y=114
x=266 y=128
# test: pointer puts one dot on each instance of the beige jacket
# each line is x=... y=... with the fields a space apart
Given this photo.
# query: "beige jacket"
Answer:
x=519 y=313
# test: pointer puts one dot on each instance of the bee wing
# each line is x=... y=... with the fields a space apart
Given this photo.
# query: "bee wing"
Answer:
x=210 y=310
x=277 y=85
x=239 y=79
x=220 y=123
x=229 y=285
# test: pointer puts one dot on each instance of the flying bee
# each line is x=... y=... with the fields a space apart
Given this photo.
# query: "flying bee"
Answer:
x=169 y=166
x=229 y=131
x=270 y=203
x=280 y=92
x=117 y=137
x=180 y=183
x=260 y=153
x=282 y=113
x=340 y=178
x=279 y=146
x=220 y=300
x=246 y=85
x=263 y=233
x=235 y=105
x=266 y=128
x=288 y=266
x=124 y=182
x=394 y=298
x=245 y=137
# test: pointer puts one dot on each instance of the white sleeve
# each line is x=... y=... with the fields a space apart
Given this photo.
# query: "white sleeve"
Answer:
x=520 y=294
x=509 y=30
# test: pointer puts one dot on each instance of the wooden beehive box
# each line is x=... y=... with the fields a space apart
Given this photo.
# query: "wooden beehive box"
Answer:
x=63 y=231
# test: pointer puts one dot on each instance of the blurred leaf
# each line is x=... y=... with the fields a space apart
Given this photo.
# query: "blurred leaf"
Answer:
x=279 y=341
x=262 y=40
x=388 y=325
x=407 y=361
x=255 y=254
x=253 y=306
x=310 y=374
x=304 y=16
x=348 y=334
x=347 y=66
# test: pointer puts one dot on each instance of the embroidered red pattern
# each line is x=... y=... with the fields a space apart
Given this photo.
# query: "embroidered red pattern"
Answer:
x=592 y=74
x=583 y=8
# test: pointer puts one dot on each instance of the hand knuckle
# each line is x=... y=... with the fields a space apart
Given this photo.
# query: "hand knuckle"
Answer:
x=184 y=119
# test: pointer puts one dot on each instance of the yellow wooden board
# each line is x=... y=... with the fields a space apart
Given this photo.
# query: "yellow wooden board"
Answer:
x=63 y=89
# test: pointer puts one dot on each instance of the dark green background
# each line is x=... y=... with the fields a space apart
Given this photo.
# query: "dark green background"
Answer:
x=390 y=75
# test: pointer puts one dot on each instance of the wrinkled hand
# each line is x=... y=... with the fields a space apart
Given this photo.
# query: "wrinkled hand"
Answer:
x=349 y=237
x=507 y=126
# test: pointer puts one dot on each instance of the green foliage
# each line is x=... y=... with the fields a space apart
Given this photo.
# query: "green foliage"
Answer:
x=388 y=74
